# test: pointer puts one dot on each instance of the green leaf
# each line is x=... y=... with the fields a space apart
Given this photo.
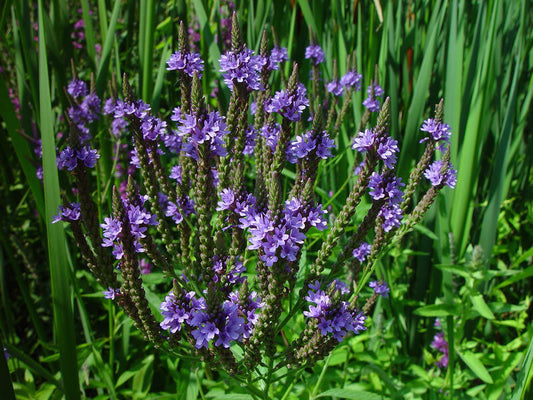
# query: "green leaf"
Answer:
x=229 y=396
x=103 y=68
x=477 y=367
x=526 y=273
x=308 y=15
x=438 y=310
x=525 y=374
x=481 y=306
x=454 y=269
x=425 y=231
x=142 y=380
x=64 y=328
x=351 y=394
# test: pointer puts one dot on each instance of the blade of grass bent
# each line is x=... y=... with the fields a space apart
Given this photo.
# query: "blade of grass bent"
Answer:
x=57 y=245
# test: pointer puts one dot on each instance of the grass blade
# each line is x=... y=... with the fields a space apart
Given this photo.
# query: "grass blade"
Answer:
x=421 y=88
x=57 y=244
x=497 y=182
x=103 y=68
x=147 y=55
x=461 y=213
x=89 y=32
x=6 y=387
x=156 y=95
x=524 y=375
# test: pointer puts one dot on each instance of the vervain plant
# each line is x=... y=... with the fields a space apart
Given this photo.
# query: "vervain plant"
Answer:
x=260 y=282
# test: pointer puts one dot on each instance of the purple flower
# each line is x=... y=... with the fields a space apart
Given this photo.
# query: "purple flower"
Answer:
x=271 y=133
x=277 y=56
x=145 y=266
x=362 y=251
x=315 y=53
x=380 y=289
x=88 y=156
x=352 y=79
x=242 y=67
x=437 y=131
x=173 y=211
x=439 y=343
x=227 y=200
x=67 y=213
x=175 y=173
x=111 y=293
x=67 y=158
x=152 y=127
x=373 y=91
x=387 y=150
x=386 y=188
x=300 y=147
x=325 y=144
x=335 y=317
x=385 y=147
x=437 y=178
x=177 y=311
x=139 y=219
x=335 y=87
x=289 y=106
x=188 y=63
x=196 y=130
x=251 y=137
x=365 y=141
x=77 y=88
x=392 y=216
x=111 y=229
x=204 y=334
x=232 y=321
x=315 y=217
x=376 y=186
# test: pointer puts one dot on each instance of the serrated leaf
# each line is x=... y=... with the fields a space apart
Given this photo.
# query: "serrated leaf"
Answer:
x=481 y=306
x=351 y=394
x=476 y=366
x=438 y=310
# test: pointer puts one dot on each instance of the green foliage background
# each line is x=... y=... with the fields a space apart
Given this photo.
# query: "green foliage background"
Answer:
x=470 y=263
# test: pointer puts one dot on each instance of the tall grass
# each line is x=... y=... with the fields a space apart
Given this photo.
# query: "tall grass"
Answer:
x=476 y=55
x=64 y=329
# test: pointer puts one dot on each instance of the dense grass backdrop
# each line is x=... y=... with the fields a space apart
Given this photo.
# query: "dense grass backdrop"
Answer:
x=469 y=263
